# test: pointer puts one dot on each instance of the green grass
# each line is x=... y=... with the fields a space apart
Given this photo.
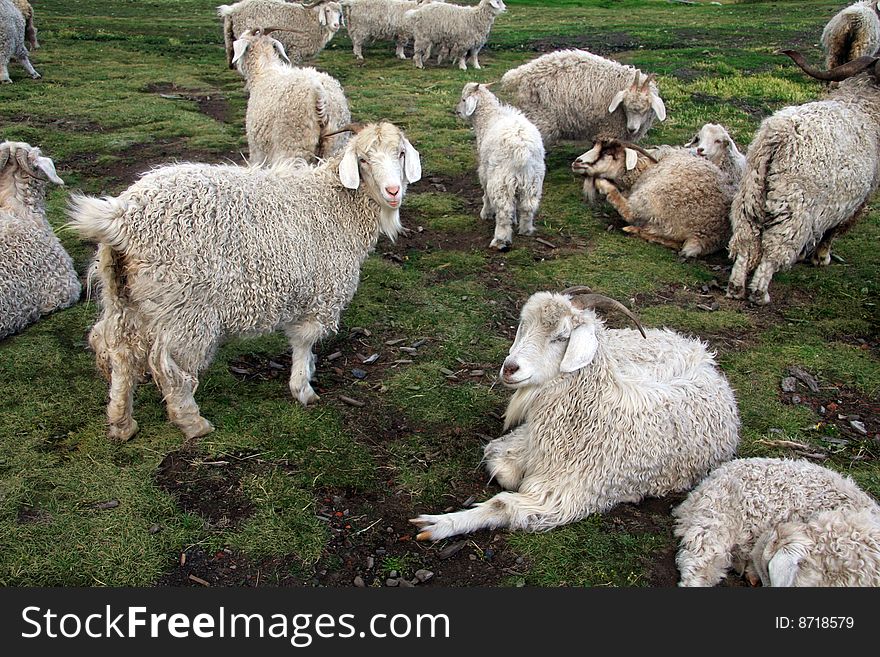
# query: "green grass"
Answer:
x=94 y=113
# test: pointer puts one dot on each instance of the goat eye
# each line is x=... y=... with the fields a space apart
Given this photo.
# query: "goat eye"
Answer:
x=362 y=160
x=402 y=153
x=718 y=141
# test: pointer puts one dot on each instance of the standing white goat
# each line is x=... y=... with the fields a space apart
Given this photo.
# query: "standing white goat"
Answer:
x=510 y=162
x=193 y=253
x=806 y=179
x=12 y=41
x=290 y=108
x=574 y=94
x=599 y=417
x=458 y=32
x=304 y=28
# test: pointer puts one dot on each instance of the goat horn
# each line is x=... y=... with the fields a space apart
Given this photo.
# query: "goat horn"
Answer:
x=635 y=83
x=351 y=127
x=836 y=74
x=589 y=300
x=648 y=80
x=21 y=156
x=635 y=147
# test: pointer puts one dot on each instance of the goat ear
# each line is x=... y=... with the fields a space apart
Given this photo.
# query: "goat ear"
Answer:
x=784 y=566
x=470 y=104
x=617 y=100
x=322 y=16
x=412 y=163
x=632 y=158
x=279 y=48
x=658 y=107
x=349 y=174
x=582 y=346
x=47 y=166
x=239 y=48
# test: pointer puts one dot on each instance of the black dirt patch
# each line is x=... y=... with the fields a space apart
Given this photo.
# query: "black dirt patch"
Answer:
x=210 y=488
x=605 y=43
x=138 y=159
x=67 y=124
x=211 y=103
x=30 y=514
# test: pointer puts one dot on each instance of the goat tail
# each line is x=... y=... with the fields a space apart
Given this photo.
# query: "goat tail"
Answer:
x=748 y=213
x=98 y=220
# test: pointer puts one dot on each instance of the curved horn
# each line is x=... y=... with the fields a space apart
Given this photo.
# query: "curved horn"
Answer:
x=636 y=147
x=648 y=80
x=836 y=74
x=21 y=156
x=635 y=83
x=351 y=127
x=600 y=301
x=577 y=289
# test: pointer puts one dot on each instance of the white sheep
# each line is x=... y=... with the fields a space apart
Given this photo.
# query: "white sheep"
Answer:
x=369 y=20
x=510 y=162
x=681 y=201
x=722 y=519
x=833 y=548
x=289 y=108
x=807 y=179
x=574 y=94
x=193 y=253
x=459 y=32
x=853 y=32
x=304 y=29
x=36 y=273
x=12 y=41
x=598 y=417
x=714 y=142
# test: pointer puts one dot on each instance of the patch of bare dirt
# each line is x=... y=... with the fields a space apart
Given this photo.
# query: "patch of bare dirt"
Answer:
x=605 y=43
x=68 y=124
x=211 y=103
x=138 y=159
x=208 y=487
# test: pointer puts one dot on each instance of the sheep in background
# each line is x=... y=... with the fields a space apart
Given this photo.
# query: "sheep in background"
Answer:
x=852 y=33
x=459 y=32
x=289 y=108
x=723 y=518
x=262 y=249
x=12 y=36
x=574 y=94
x=714 y=142
x=369 y=20
x=806 y=180
x=598 y=417
x=680 y=201
x=36 y=273
x=304 y=29
x=833 y=548
x=30 y=30
x=510 y=162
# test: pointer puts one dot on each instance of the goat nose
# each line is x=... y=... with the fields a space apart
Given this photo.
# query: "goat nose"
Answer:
x=699 y=150
x=392 y=190
x=510 y=368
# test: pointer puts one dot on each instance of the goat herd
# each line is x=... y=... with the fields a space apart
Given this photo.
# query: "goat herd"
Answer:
x=193 y=253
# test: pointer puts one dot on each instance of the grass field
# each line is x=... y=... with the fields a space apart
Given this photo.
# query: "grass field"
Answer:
x=283 y=495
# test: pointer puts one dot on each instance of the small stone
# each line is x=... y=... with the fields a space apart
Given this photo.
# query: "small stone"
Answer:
x=472 y=557
x=446 y=372
x=795 y=399
x=477 y=372
x=380 y=551
x=358 y=374
x=859 y=426
x=789 y=384
x=391 y=582
x=393 y=573
x=423 y=575
x=359 y=582
x=409 y=350
x=370 y=563
x=155 y=529
x=520 y=560
x=452 y=549
x=371 y=359
x=333 y=356
x=404 y=584
x=489 y=553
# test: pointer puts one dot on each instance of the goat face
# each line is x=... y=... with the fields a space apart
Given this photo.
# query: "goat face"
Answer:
x=712 y=142
x=639 y=102
x=554 y=336
x=381 y=157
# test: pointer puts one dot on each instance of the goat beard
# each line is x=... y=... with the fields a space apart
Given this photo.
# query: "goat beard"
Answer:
x=590 y=192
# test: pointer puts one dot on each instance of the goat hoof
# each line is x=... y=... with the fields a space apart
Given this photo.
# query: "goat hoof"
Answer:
x=5 y=81
x=500 y=245
x=307 y=396
x=821 y=261
x=759 y=298
x=121 y=433
x=735 y=292
x=433 y=528
x=198 y=429
x=632 y=230
x=36 y=76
